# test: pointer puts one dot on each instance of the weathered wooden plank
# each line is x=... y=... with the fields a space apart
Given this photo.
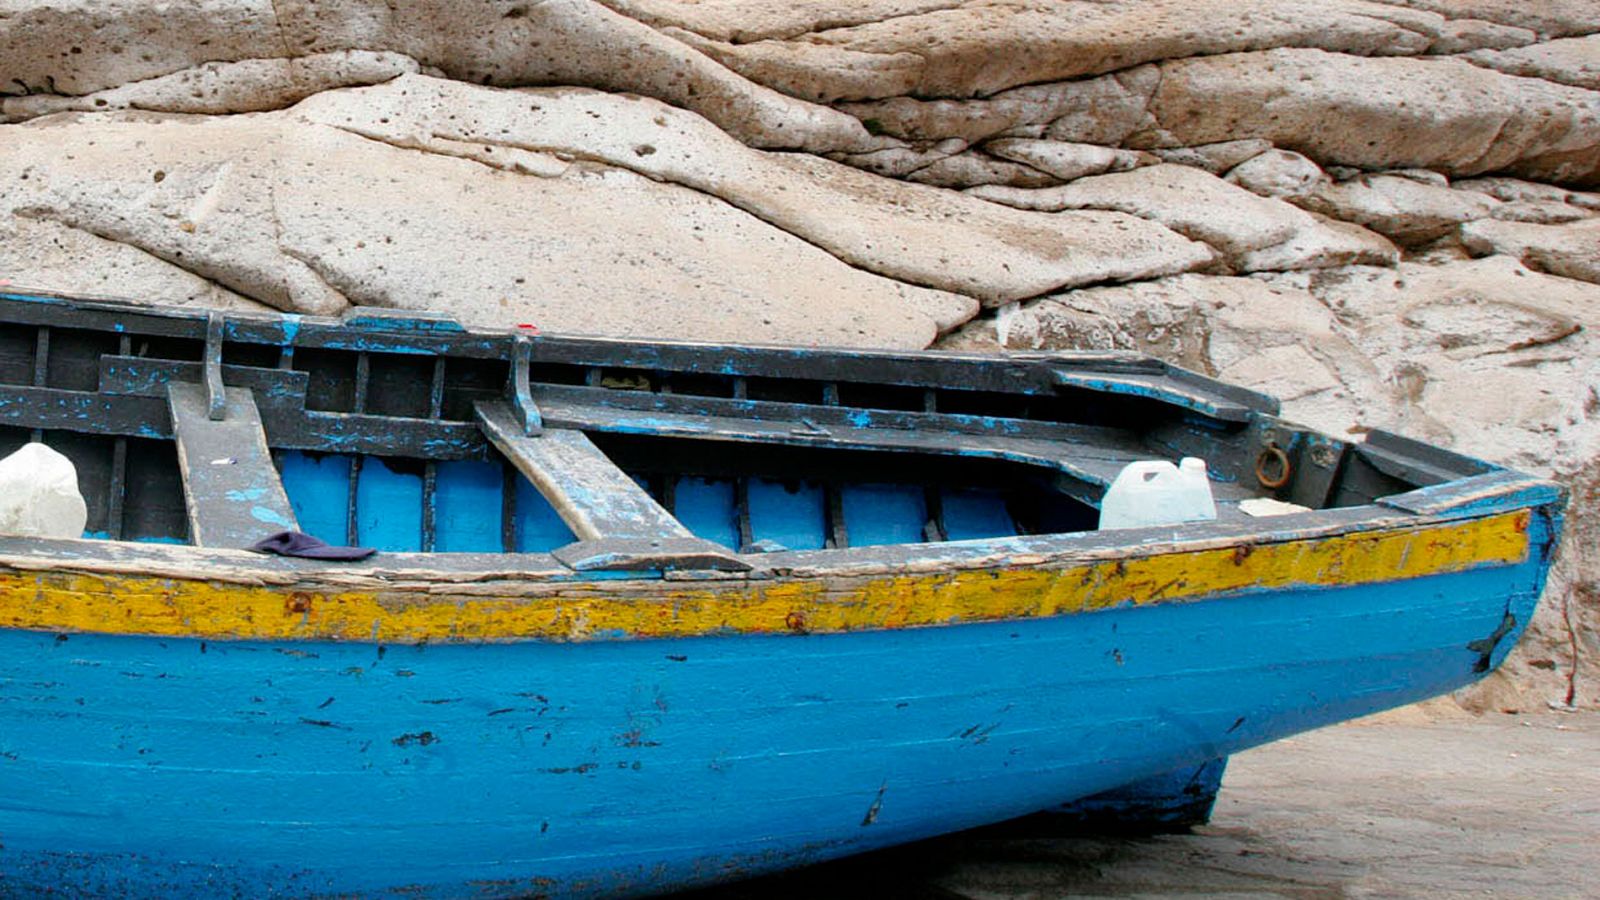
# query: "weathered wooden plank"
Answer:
x=117 y=488
x=596 y=499
x=230 y=487
x=216 y=397
x=618 y=524
x=149 y=378
x=1168 y=390
x=1093 y=466
x=82 y=411
x=1416 y=462
x=818 y=414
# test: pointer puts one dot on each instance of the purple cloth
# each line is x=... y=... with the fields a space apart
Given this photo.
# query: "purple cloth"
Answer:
x=295 y=543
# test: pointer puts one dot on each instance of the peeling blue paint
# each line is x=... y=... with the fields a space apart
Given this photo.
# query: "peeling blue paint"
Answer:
x=639 y=765
x=270 y=516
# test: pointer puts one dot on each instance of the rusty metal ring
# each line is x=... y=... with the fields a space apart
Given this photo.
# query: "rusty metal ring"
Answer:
x=1273 y=456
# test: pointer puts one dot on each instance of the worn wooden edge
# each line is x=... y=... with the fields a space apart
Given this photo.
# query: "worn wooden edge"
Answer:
x=231 y=505
x=593 y=496
x=625 y=609
x=390 y=331
x=634 y=555
x=1487 y=491
x=389 y=570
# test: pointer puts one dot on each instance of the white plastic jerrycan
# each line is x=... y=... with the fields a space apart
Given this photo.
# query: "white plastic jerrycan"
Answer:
x=1156 y=492
x=39 y=494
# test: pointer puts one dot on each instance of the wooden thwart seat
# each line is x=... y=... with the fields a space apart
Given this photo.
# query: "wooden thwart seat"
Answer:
x=231 y=490
x=617 y=523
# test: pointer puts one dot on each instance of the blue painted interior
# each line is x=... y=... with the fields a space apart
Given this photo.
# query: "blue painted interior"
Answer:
x=469 y=498
x=974 y=514
x=318 y=486
x=789 y=514
x=388 y=507
x=165 y=767
x=883 y=513
x=467 y=501
x=706 y=507
x=539 y=527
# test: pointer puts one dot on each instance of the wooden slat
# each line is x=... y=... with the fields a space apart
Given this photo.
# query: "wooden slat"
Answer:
x=230 y=488
x=597 y=500
x=1091 y=466
x=1198 y=397
x=117 y=488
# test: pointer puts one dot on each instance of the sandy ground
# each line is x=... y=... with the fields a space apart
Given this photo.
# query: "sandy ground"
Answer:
x=1405 y=805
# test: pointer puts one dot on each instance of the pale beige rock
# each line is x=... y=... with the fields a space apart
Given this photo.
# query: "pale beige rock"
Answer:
x=1464 y=35
x=1323 y=243
x=1512 y=189
x=200 y=194
x=1102 y=110
x=1484 y=355
x=48 y=256
x=1216 y=158
x=505 y=42
x=974 y=167
x=913 y=233
x=1421 y=176
x=744 y=21
x=1572 y=250
x=1574 y=61
x=1190 y=201
x=1584 y=200
x=1268 y=335
x=898 y=162
x=1278 y=173
x=248 y=85
x=1541 y=212
x=311 y=218
x=82 y=46
x=1547 y=18
x=977 y=49
x=1439 y=113
x=1066 y=160
x=1405 y=210
x=1288 y=372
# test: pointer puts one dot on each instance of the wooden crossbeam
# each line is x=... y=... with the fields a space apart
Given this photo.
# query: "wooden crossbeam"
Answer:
x=596 y=499
x=617 y=523
x=230 y=488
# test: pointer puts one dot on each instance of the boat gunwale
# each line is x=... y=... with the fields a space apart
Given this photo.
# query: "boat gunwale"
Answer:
x=419 y=332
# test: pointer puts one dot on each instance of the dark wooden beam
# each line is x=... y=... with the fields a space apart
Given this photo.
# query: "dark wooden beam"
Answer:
x=232 y=491
x=596 y=499
x=617 y=523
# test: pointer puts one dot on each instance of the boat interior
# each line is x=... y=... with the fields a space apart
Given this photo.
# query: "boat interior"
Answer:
x=409 y=433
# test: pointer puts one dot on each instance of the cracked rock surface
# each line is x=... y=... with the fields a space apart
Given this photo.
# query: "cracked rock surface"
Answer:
x=1383 y=211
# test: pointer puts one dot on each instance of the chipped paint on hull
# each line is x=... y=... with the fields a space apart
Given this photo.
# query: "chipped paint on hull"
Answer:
x=183 y=767
x=139 y=604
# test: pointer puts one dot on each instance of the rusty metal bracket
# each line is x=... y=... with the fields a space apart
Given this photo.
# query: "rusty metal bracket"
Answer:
x=527 y=411
x=216 y=397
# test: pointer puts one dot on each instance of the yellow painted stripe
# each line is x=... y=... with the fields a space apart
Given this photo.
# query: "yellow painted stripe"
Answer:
x=142 y=604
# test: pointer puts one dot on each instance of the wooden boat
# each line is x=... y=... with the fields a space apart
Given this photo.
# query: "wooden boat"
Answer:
x=652 y=615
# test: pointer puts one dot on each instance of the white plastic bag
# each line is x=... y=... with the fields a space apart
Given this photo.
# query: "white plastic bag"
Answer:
x=39 y=495
x=1156 y=492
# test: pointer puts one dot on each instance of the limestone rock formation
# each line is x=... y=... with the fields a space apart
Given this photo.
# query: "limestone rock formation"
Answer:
x=1383 y=211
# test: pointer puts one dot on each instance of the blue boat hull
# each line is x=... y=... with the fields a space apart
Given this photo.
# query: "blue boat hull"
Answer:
x=143 y=766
